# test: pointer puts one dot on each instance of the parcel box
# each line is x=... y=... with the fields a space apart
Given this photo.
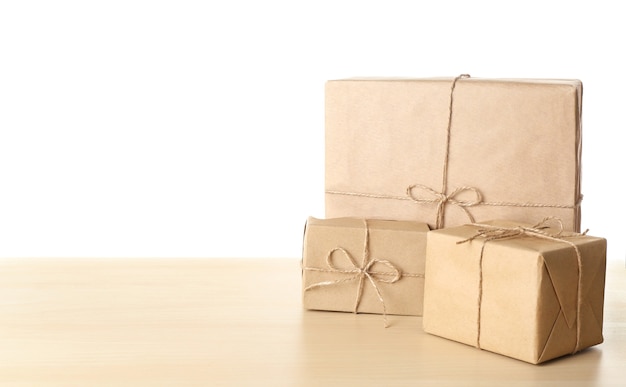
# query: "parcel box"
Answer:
x=452 y=151
x=531 y=293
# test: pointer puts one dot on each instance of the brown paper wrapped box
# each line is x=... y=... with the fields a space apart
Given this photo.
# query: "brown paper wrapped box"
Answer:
x=521 y=299
x=499 y=149
x=382 y=259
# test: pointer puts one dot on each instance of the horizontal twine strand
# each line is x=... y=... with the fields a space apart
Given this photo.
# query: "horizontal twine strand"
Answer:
x=482 y=203
x=374 y=273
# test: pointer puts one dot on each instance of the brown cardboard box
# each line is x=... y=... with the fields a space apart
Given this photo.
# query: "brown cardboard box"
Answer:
x=521 y=299
x=514 y=150
x=333 y=256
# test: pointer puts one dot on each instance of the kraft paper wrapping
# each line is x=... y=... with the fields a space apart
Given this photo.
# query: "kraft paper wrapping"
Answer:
x=390 y=245
x=514 y=143
x=522 y=300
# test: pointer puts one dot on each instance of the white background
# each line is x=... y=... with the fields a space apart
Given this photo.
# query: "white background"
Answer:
x=195 y=128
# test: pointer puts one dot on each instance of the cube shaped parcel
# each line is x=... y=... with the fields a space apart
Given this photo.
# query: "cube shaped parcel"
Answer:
x=518 y=297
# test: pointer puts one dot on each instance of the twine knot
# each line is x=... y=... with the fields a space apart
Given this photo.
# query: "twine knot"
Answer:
x=441 y=199
x=365 y=269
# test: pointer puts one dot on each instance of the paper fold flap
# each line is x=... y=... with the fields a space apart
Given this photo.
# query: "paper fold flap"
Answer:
x=562 y=267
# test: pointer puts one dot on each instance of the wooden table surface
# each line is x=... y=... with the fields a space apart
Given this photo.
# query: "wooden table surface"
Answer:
x=239 y=322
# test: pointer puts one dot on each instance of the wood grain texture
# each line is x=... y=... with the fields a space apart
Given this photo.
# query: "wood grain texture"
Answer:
x=239 y=322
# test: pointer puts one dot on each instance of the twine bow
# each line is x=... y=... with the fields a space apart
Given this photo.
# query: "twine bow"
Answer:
x=493 y=233
x=442 y=199
x=361 y=273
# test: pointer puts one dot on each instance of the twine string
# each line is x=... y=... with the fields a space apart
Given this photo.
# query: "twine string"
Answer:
x=442 y=199
x=493 y=233
x=361 y=273
x=482 y=202
x=444 y=182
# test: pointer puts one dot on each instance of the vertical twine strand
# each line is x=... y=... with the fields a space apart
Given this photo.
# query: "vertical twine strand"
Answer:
x=444 y=182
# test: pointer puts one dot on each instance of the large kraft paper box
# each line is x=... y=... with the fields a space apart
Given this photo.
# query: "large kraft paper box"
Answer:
x=394 y=262
x=516 y=143
x=525 y=303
